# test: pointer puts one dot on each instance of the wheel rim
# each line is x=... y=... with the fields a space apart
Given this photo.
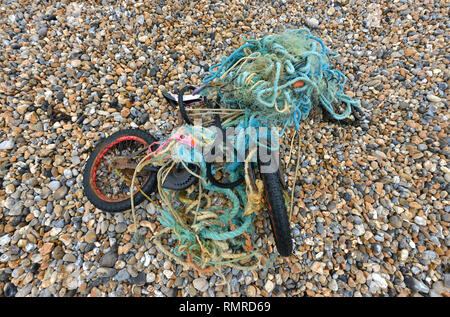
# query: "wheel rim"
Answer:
x=107 y=184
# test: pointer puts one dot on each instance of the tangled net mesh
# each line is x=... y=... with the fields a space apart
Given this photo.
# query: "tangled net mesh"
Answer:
x=208 y=222
x=280 y=78
x=275 y=80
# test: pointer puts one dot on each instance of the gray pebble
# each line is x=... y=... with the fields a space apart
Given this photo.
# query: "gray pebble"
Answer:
x=416 y=285
x=122 y=275
x=109 y=259
x=106 y=272
x=200 y=284
x=69 y=257
x=121 y=227
x=42 y=32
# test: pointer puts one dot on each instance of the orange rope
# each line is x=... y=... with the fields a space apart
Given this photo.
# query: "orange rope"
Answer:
x=207 y=270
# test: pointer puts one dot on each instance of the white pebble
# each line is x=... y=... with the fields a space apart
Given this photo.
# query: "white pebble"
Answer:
x=151 y=277
x=420 y=221
x=168 y=273
x=312 y=22
x=433 y=98
x=5 y=240
x=403 y=255
x=7 y=145
x=54 y=185
x=269 y=286
x=378 y=280
x=67 y=173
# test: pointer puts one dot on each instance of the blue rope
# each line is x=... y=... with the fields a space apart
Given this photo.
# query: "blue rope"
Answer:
x=296 y=76
x=285 y=67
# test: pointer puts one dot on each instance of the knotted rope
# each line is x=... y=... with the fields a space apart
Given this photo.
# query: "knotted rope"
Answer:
x=281 y=78
x=273 y=81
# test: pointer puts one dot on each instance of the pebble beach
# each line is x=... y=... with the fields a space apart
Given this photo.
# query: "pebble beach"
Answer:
x=371 y=211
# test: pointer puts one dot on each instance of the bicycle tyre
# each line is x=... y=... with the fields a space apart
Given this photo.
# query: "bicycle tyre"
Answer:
x=91 y=190
x=277 y=213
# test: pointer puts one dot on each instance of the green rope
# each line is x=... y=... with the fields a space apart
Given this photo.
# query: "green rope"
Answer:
x=292 y=70
x=276 y=80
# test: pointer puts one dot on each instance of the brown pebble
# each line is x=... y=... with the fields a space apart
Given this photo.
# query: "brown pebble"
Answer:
x=46 y=248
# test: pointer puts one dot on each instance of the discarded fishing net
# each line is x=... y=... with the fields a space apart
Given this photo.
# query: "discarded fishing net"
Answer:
x=276 y=80
x=280 y=78
x=209 y=223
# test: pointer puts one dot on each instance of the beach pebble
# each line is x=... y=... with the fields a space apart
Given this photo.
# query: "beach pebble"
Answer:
x=200 y=284
x=7 y=145
x=312 y=22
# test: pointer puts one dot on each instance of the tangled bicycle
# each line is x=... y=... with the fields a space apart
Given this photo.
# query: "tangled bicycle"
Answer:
x=221 y=167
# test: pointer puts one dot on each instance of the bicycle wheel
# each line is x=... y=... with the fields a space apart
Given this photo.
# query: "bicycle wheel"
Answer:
x=277 y=213
x=107 y=186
